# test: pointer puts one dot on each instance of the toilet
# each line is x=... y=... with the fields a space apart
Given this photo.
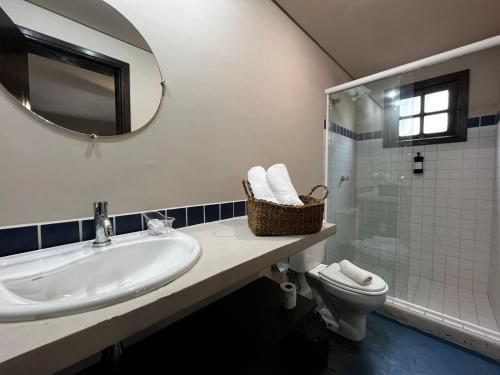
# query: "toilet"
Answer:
x=342 y=303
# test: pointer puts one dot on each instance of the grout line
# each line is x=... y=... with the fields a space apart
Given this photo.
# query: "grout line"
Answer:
x=39 y=235
x=80 y=230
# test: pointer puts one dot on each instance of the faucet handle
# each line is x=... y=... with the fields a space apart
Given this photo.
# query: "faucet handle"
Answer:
x=101 y=208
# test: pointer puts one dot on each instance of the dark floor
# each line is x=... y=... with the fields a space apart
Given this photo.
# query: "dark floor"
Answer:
x=389 y=348
x=248 y=333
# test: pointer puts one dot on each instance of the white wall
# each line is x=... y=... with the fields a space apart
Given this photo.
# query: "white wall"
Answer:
x=145 y=77
x=246 y=87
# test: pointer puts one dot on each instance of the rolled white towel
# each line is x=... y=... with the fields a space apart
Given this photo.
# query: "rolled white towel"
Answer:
x=257 y=178
x=279 y=182
x=359 y=275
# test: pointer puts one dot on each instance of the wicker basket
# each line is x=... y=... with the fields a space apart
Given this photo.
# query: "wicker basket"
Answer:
x=273 y=219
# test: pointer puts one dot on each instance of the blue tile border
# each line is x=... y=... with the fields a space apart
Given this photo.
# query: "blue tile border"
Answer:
x=88 y=230
x=472 y=122
x=20 y=239
x=212 y=212
x=239 y=209
x=488 y=120
x=226 y=211
x=180 y=217
x=60 y=234
x=195 y=215
x=128 y=223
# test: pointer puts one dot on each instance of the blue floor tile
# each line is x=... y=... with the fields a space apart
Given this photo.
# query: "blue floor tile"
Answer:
x=393 y=349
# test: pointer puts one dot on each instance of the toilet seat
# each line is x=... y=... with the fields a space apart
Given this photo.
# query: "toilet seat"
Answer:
x=336 y=278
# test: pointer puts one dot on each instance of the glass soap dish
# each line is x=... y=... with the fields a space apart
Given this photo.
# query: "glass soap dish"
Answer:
x=157 y=223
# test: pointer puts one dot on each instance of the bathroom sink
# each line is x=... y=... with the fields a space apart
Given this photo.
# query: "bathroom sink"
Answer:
x=75 y=278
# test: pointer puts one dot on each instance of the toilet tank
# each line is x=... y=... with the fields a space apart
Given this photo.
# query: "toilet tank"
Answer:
x=309 y=258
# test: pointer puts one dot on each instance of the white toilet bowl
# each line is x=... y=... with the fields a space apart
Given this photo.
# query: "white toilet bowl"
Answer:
x=342 y=303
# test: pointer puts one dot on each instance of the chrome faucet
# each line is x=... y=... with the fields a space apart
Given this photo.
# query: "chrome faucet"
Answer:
x=103 y=227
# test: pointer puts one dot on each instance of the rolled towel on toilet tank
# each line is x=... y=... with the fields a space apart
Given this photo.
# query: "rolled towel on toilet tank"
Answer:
x=257 y=178
x=355 y=273
x=279 y=182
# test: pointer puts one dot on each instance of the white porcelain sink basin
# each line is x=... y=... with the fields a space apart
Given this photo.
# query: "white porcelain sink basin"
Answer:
x=75 y=278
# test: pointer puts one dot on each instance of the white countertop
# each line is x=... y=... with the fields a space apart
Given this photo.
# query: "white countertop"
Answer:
x=230 y=255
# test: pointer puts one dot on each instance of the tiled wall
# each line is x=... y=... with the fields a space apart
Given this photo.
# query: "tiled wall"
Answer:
x=441 y=218
x=38 y=236
x=342 y=162
x=436 y=225
x=494 y=272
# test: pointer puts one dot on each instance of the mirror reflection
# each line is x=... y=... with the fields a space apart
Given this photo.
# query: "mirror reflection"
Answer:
x=79 y=65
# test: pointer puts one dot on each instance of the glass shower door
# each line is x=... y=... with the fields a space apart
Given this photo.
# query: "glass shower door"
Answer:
x=369 y=188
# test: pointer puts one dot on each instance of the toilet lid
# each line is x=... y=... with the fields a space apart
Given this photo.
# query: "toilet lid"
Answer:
x=333 y=275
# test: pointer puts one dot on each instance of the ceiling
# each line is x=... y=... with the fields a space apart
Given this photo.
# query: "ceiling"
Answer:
x=368 y=36
x=97 y=15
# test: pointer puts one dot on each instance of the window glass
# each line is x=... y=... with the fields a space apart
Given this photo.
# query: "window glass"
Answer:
x=435 y=123
x=437 y=101
x=409 y=106
x=409 y=126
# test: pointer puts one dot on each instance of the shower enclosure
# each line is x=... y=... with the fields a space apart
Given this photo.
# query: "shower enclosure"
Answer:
x=432 y=234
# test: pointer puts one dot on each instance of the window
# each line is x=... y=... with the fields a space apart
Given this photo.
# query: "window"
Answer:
x=426 y=112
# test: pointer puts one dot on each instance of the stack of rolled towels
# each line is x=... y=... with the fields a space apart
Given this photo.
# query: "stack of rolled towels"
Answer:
x=359 y=275
x=273 y=185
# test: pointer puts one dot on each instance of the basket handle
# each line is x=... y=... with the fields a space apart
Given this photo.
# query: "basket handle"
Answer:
x=248 y=189
x=327 y=191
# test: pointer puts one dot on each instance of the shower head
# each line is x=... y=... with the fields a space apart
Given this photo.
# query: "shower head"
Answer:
x=359 y=92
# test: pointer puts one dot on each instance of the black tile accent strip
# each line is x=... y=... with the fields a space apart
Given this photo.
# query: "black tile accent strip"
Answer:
x=22 y=239
x=128 y=223
x=88 y=230
x=195 y=215
x=18 y=240
x=212 y=213
x=488 y=120
x=239 y=208
x=226 y=211
x=60 y=233
x=472 y=122
x=180 y=217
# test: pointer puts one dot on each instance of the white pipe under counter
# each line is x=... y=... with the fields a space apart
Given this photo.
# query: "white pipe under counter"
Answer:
x=231 y=255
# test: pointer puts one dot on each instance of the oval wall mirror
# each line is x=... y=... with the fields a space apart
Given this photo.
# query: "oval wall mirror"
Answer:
x=80 y=65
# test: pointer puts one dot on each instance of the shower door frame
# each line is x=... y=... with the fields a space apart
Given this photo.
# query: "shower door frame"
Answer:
x=435 y=59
